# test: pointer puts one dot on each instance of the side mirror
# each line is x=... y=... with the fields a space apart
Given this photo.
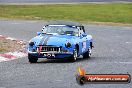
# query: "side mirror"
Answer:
x=84 y=35
x=38 y=33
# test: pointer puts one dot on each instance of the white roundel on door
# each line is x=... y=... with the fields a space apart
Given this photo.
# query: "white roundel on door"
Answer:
x=84 y=46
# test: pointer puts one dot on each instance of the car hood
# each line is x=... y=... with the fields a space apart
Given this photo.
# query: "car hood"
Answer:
x=54 y=40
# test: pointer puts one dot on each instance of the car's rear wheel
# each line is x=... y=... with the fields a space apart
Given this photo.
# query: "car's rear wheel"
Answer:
x=87 y=54
x=74 y=56
x=32 y=59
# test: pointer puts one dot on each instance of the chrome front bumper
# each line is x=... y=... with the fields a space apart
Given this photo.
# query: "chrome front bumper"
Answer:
x=52 y=52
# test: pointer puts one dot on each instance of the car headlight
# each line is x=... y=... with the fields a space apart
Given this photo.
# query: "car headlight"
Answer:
x=68 y=45
x=31 y=43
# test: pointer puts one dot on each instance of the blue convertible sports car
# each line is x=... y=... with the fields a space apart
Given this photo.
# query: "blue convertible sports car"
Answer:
x=60 y=39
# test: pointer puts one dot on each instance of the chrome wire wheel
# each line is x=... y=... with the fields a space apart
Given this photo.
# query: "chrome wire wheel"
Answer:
x=75 y=54
x=89 y=52
x=73 y=58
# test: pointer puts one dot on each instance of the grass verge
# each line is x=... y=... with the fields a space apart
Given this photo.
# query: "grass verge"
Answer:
x=114 y=12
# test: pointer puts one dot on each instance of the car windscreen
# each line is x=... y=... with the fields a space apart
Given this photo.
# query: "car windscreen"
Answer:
x=61 y=30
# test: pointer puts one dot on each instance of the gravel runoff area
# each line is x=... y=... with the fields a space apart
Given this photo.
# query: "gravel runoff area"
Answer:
x=7 y=45
x=112 y=54
x=11 y=48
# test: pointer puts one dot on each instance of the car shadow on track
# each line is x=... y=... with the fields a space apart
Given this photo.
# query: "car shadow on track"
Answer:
x=65 y=60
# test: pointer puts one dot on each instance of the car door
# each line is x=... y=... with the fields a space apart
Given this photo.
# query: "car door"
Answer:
x=83 y=39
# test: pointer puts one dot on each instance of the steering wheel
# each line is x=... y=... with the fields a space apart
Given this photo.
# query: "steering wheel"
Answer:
x=69 y=32
x=60 y=31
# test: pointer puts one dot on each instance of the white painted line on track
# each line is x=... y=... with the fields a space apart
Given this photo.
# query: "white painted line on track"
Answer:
x=114 y=62
x=125 y=62
x=128 y=42
x=2 y=59
x=12 y=39
x=18 y=54
x=15 y=23
x=11 y=56
x=121 y=62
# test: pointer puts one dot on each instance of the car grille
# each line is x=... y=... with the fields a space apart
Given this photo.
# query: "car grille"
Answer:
x=50 y=48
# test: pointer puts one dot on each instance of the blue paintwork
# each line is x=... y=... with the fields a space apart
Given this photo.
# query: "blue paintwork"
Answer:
x=61 y=40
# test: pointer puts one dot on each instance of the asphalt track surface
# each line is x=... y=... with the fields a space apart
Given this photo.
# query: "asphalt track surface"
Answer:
x=58 y=1
x=112 y=54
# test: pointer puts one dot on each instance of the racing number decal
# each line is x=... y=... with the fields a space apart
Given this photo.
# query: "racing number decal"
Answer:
x=84 y=44
x=49 y=55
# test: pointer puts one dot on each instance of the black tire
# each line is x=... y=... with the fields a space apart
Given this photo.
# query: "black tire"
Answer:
x=32 y=59
x=73 y=58
x=80 y=80
x=87 y=54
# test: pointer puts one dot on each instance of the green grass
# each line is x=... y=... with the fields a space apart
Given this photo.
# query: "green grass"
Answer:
x=118 y=13
x=2 y=50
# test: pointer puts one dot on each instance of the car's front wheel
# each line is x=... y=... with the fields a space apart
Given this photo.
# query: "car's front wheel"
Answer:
x=32 y=59
x=87 y=54
x=74 y=56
